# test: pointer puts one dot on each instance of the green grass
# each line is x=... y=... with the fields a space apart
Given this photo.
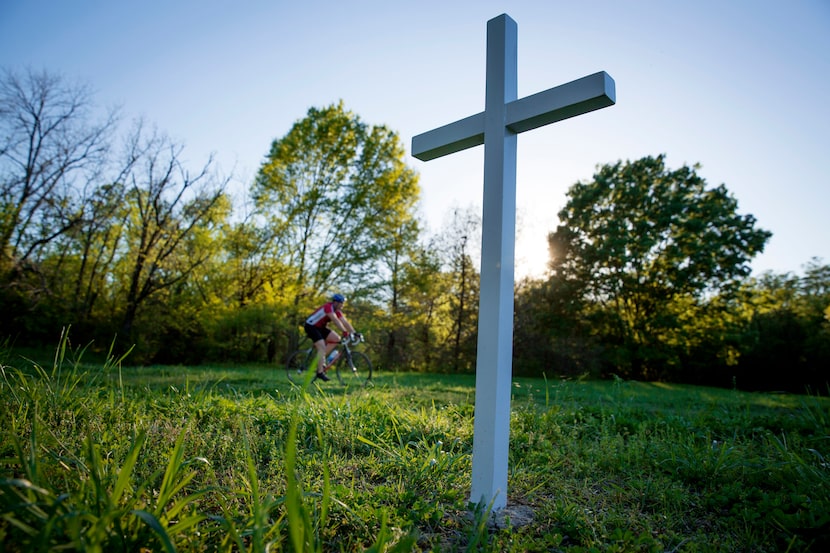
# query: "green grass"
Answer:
x=103 y=457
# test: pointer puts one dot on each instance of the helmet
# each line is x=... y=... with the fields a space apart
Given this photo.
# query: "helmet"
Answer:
x=340 y=298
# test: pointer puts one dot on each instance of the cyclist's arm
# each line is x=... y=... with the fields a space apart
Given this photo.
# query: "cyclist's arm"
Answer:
x=349 y=328
x=341 y=322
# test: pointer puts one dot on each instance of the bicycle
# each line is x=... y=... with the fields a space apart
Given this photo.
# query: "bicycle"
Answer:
x=351 y=366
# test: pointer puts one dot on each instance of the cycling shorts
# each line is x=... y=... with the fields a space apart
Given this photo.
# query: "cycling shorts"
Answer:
x=316 y=333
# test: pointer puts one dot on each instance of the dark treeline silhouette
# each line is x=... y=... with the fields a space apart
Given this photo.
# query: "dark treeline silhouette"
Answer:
x=775 y=337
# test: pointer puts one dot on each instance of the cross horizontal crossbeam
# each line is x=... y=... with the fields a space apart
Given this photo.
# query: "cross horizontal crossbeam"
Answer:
x=583 y=95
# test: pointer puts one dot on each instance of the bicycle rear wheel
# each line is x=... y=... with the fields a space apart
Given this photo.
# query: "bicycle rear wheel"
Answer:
x=354 y=369
x=297 y=365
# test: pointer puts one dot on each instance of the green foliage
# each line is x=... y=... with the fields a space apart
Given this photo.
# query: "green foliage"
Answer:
x=170 y=229
x=645 y=246
x=788 y=326
x=552 y=335
x=456 y=331
x=334 y=194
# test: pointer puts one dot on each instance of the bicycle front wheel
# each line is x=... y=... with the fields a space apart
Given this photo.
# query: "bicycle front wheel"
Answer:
x=354 y=369
x=298 y=364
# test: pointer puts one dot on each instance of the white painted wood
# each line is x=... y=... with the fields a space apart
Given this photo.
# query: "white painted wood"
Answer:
x=496 y=127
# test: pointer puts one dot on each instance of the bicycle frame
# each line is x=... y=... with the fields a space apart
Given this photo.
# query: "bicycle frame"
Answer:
x=341 y=351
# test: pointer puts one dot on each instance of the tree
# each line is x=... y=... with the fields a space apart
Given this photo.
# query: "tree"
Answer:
x=172 y=214
x=244 y=286
x=551 y=334
x=251 y=262
x=638 y=242
x=459 y=245
x=424 y=292
x=76 y=271
x=333 y=193
x=49 y=149
x=51 y=154
x=786 y=344
x=402 y=262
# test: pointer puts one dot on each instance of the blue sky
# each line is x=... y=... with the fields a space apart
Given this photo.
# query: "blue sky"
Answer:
x=739 y=86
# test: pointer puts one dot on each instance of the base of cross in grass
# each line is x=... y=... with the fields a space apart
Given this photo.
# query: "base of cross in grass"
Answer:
x=511 y=516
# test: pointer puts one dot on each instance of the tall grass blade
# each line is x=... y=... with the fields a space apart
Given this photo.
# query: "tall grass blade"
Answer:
x=168 y=507
x=297 y=528
x=172 y=481
x=232 y=536
x=20 y=497
x=259 y=516
x=153 y=523
x=126 y=470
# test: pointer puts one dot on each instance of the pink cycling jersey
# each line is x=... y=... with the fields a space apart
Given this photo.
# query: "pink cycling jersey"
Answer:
x=320 y=317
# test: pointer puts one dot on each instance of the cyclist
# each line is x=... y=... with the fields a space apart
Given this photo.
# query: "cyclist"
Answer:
x=316 y=328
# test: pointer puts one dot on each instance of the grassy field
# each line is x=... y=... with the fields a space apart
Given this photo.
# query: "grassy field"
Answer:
x=104 y=458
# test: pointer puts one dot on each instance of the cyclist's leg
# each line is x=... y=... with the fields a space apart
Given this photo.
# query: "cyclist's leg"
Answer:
x=320 y=359
x=318 y=337
x=332 y=339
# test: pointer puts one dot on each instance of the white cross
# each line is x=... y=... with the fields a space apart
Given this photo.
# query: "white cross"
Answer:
x=496 y=127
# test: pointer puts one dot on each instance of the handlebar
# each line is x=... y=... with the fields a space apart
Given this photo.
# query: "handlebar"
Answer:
x=354 y=338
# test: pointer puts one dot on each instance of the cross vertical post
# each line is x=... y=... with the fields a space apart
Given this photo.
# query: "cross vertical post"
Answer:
x=494 y=356
x=497 y=127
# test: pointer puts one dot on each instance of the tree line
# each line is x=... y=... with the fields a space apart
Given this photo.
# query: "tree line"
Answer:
x=111 y=232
